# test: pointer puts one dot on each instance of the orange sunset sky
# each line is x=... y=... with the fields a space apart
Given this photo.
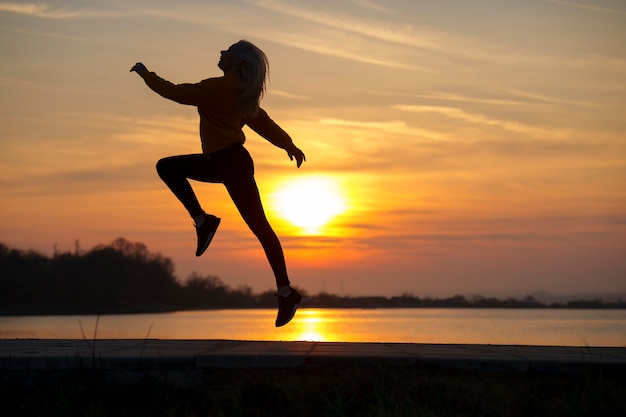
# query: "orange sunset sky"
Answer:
x=459 y=147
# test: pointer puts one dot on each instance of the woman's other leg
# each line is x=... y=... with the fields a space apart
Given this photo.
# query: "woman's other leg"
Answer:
x=245 y=194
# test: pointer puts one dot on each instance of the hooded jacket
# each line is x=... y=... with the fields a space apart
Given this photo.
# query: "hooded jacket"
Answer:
x=220 y=122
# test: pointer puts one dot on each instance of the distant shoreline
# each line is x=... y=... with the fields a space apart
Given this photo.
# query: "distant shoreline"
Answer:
x=15 y=312
x=125 y=278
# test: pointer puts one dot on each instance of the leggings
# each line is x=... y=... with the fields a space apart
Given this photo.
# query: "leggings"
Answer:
x=234 y=168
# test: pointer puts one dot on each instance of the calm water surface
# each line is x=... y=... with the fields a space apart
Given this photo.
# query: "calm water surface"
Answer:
x=549 y=327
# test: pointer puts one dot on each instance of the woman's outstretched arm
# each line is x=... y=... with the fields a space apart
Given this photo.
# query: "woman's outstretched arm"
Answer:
x=270 y=131
x=191 y=94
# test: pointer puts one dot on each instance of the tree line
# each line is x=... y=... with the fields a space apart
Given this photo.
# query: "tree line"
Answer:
x=124 y=277
x=120 y=277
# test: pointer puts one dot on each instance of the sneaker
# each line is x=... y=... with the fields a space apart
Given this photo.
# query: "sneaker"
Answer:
x=206 y=232
x=287 y=307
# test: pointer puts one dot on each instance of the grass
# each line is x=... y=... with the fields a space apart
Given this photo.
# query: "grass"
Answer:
x=326 y=391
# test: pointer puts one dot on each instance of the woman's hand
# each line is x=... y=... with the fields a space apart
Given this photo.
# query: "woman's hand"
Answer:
x=139 y=68
x=294 y=152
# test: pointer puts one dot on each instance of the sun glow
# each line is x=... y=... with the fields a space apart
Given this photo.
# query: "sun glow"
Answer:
x=309 y=203
x=311 y=326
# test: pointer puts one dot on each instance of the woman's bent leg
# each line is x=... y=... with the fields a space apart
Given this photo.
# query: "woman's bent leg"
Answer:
x=175 y=170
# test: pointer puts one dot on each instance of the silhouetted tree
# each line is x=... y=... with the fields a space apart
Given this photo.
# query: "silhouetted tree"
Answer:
x=123 y=275
x=204 y=291
x=22 y=276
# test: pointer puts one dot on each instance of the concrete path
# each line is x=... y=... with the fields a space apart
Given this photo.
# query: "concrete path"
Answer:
x=43 y=355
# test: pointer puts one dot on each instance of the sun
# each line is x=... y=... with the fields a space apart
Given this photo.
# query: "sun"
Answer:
x=309 y=203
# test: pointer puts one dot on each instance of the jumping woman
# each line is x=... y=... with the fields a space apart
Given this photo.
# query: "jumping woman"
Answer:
x=225 y=105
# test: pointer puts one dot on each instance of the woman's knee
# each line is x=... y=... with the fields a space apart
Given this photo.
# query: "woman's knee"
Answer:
x=163 y=167
x=262 y=229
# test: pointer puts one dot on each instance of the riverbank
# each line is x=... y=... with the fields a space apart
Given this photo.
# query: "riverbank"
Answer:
x=193 y=356
x=325 y=301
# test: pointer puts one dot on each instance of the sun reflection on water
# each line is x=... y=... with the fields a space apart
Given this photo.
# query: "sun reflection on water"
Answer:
x=311 y=326
x=544 y=327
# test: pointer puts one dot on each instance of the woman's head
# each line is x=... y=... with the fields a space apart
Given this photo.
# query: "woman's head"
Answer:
x=250 y=64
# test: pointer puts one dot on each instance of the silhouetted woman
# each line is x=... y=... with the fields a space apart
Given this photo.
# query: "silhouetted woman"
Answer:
x=225 y=105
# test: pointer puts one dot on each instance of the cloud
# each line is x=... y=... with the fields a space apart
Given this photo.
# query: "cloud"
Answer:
x=325 y=45
x=513 y=97
x=446 y=96
x=39 y=87
x=394 y=127
x=324 y=39
x=543 y=98
x=368 y=4
x=78 y=180
x=44 y=11
x=37 y=10
x=393 y=33
x=460 y=114
x=390 y=40
x=289 y=95
x=405 y=34
x=588 y=7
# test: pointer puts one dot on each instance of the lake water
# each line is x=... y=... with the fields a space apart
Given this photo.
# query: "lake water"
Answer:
x=546 y=327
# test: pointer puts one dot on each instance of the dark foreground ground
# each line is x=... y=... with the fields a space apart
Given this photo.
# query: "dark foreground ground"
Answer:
x=358 y=389
x=248 y=378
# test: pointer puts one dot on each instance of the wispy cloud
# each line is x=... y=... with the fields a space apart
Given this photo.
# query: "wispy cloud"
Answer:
x=327 y=40
x=55 y=12
x=394 y=127
x=460 y=114
x=398 y=33
x=37 y=10
x=289 y=95
x=587 y=6
x=26 y=84
x=453 y=97
x=369 y=4
x=391 y=40
x=52 y=35
x=324 y=39
x=543 y=98
x=511 y=97
x=329 y=48
x=405 y=34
